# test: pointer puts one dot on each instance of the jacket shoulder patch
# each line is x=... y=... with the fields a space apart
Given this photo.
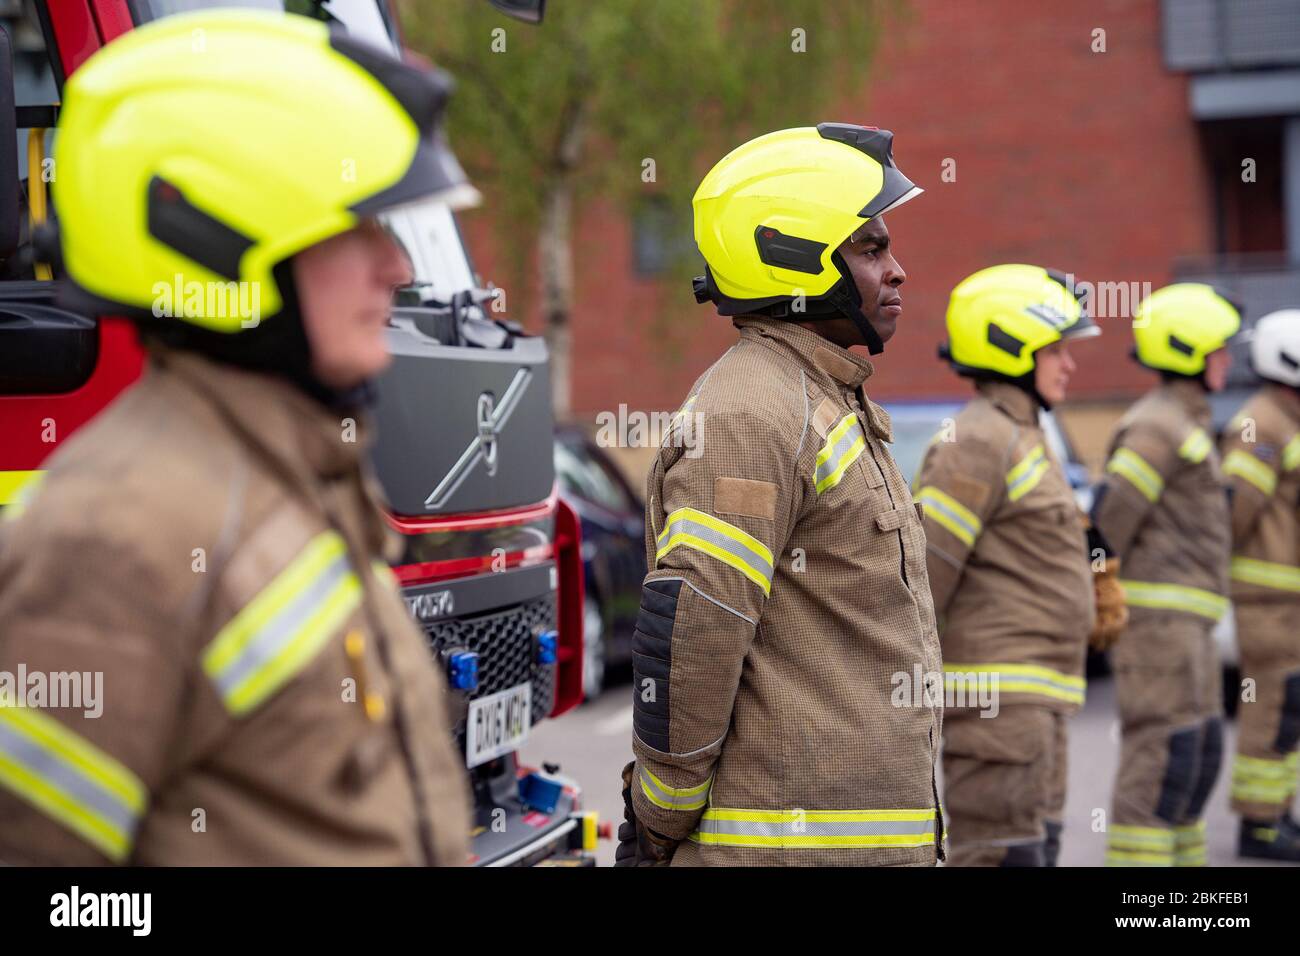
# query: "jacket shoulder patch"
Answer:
x=970 y=491
x=825 y=417
x=744 y=496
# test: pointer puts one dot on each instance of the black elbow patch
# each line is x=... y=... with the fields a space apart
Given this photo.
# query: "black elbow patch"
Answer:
x=652 y=658
x=1180 y=775
x=1208 y=771
x=1288 y=731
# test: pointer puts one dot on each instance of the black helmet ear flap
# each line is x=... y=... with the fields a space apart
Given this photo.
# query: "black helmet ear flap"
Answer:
x=702 y=286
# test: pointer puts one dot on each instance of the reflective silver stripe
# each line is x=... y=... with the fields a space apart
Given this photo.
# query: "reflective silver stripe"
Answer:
x=674 y=798
x=1016 y=678
x=837 y=456
x=951 y=514
x=1026 y=474
x=277 y=634
x=788 y=828
x=67 y=778
x=815 y=829
x=737 y=549
x=80 y=802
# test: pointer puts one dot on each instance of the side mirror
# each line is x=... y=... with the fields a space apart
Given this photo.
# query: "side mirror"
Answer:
x=44 y=350
x=9 y=208
x=530 y=11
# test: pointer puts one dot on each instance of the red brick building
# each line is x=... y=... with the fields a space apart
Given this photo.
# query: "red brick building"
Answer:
x=1064 y=155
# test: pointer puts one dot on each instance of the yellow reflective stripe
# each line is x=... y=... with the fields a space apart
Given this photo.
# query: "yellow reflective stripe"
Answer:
x=1130 y=465
x=70 y=780
x=1020 y=679
x=1024 y=477
x=1154 y=841
x=947 y=511
x=1189 y=844
x=674 y=798
x=1188 y=833
x=1246 y=466
x=1269 y=793
x=702 y=532
x=844 y=444
x=1195 y=446
x=815 y=829
x=1291 y=454
x=1127 y=834
x=12 y=484
x=1266 y=574
x=1261 y=768
x=1174 y=597
x=17 y=488
x=284 y=626
x=1134 y=858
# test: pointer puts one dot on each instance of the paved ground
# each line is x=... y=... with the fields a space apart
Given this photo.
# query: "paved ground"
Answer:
x=592 y=743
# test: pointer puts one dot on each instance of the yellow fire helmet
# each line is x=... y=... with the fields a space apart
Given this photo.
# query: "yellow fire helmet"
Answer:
x=210 y=147
x=772 y=212
x=1176 y=327
x=1000 y=316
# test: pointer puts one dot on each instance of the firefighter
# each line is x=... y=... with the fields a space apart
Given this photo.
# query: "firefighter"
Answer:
x=213 y=544
x=1009 y=568
x=1261 y=458
x=1163 y=508
x=787 y=698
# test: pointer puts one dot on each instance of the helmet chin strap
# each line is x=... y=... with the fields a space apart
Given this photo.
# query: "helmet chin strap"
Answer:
x=845 y=301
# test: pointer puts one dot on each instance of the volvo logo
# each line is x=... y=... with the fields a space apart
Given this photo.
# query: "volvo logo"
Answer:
x=490 y=420
x=487 y=436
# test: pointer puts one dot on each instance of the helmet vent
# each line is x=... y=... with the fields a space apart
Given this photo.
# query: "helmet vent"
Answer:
x=1288 y=360
x=195 y=234
x=1178 y=345
x=789 y=252
x=1005 y=341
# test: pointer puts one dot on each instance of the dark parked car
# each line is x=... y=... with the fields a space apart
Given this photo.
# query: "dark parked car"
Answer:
x=613 y=551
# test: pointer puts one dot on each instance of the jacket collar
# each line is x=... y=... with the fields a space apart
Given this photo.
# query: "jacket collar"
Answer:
x=297 y=434
x=812 y=351
x=1191 y=395
x=1012 y=400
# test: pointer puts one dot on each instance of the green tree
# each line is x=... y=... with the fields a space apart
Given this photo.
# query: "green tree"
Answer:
x=625 y=98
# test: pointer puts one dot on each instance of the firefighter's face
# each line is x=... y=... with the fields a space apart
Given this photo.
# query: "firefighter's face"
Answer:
x=878 y=275
x=1053 y=367
x=1216 y=369
x=345 y=287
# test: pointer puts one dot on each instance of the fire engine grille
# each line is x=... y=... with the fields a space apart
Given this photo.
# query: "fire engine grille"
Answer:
x=504 y=642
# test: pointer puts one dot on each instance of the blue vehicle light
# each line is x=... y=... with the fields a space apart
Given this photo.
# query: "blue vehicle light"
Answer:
x=462 y=670
x=548 y=647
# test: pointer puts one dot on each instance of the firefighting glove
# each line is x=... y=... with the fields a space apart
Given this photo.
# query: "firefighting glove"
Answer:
x=638 y=845
x=1112 y=611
